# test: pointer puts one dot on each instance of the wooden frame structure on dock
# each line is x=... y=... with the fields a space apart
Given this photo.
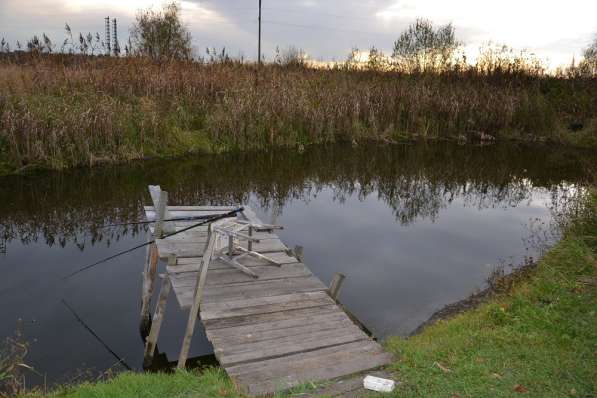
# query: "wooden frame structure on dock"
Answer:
x=272 y=323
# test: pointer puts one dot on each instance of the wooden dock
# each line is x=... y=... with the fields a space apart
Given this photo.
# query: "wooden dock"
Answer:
x=269 y=333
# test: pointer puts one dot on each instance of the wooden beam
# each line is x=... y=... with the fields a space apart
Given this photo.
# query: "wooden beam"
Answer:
x=159 y=225
x=336 y=285
x=149 y=272
x=298 y=253
x=156 y=323
x=194 y=312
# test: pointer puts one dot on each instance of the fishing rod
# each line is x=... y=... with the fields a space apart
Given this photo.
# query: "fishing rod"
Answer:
x=232 y=213
x=191 y=218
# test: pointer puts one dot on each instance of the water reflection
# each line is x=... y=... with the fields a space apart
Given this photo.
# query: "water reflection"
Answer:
x=415 y=181
x=413 y=227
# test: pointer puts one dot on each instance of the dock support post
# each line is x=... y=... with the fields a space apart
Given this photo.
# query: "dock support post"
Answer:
x=335 y=285
x=151 y=262
x=160 y=214
x=160 y=202
x=298 y=252
x=156 y=323
x=194 y=312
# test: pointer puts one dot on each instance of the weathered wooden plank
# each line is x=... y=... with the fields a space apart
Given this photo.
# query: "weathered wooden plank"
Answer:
x=232 y=305
x=325 y=371
x=266 y=318
x=265 y=307
x=280 y=325
x=160 y=203
x=283 y=346
x=197 y=298
x=232 y=276
x=167 y=247
x=216 y=265
x=336 y=285
x=277 y=366
x=182 y=249
x=280 y=257
x=258 y=288
x=194 y=235
x=156 y=324
x=332 y=323
x=149 y=272
x=283 y=286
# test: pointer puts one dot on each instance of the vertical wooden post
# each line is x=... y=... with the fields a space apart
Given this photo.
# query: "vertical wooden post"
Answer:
x=298 y=252
x=160 y=213
x=250 y=243
x=172 y=260
x=151 y=263
x=194 y=312
x=335 y=285
x=156 y=323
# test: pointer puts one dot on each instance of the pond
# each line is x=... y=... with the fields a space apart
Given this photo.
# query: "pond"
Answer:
x=413 y=228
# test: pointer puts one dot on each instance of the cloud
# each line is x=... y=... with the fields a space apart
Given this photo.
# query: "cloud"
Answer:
x=551 y=28
x=325 y=29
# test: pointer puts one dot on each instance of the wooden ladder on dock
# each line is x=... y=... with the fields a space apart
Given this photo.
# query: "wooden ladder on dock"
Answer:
x=271 y=332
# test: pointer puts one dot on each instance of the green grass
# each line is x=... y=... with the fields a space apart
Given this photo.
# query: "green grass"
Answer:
x=210 y=383
x=538 y=338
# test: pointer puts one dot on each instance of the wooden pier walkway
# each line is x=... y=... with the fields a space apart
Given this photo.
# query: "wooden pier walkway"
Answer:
x=269 y=333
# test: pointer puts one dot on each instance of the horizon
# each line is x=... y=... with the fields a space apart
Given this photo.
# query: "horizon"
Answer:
x=344 y=25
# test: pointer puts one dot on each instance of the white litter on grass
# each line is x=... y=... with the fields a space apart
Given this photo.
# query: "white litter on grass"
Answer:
x=378 y=384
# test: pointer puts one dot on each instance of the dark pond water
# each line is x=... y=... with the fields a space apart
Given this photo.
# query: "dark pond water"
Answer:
x=412 y=227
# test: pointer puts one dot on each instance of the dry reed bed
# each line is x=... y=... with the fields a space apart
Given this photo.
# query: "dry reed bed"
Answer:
x=63 y=111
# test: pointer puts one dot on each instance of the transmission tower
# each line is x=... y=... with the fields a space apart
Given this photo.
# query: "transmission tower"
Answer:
x=108 y=47
x=116 y=46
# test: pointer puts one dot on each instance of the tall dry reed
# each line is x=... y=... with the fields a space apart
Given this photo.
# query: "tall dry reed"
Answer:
x=60 y=111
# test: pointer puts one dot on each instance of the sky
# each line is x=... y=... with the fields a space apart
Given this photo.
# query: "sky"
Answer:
x=326 y=30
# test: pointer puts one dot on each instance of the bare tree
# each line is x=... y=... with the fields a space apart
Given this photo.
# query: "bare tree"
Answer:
x=290 y=56
x=4 y=46
x=588 y=66
x=161 y=34
x=422 y=47
x=377 y=60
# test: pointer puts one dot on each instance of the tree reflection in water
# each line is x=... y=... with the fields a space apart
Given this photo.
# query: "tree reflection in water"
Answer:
x=416 y=181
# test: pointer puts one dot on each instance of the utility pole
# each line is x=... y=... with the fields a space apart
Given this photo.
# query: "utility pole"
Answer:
x=108 y=47
x=259 y=40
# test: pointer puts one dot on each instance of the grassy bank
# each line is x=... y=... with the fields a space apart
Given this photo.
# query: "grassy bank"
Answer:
x=60 y=111
x=536 y=336
x=210 y=383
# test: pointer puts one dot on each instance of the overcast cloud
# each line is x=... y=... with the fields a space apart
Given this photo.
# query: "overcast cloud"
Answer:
x=326 y=30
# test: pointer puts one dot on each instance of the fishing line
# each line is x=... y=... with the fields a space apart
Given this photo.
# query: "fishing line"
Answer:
x=102 y=342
